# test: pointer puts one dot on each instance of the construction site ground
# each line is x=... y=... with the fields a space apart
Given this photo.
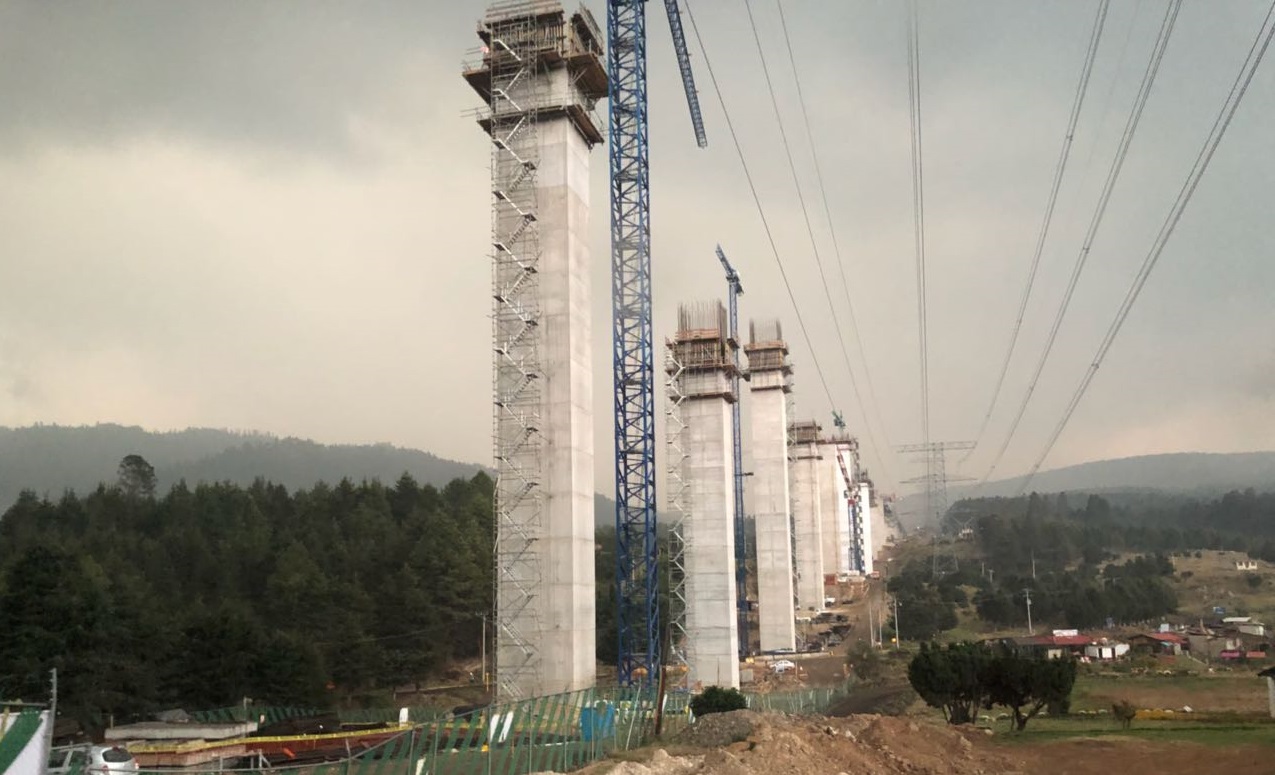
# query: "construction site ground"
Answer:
x=743 y=743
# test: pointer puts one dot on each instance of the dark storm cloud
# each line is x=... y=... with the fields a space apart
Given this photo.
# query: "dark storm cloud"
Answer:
x=279 y=75
x=191 y=232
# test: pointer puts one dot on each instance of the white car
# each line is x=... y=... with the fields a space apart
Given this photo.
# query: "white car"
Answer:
x=783 y=666
x=92 y=760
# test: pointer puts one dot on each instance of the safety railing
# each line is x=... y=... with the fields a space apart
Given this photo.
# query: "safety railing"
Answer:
x=558 y=733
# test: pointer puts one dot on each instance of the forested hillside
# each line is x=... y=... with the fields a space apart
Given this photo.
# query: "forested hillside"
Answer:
x=50 y=459
x=1069 y=554
x=1202 y=473
x=1066 y=527
x=215 y=592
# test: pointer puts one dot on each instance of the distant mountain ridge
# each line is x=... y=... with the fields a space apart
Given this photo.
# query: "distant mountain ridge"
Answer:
x=1204 y=474
x=1184 y=472
x=50 y=459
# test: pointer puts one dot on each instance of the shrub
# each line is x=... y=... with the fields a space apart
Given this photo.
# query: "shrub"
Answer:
x=1124 y=711
x=1060 y=706
x=865 y=661
x=716 y=699
x=1254 y=580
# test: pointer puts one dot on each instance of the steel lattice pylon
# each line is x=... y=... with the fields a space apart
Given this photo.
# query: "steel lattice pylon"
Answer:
x=935 y=482
x=637 y=611
x=515 y=98
x=636 y=577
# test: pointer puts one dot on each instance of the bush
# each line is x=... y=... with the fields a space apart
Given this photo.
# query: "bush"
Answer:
x=865 y=661
x=1060 y=707
x=715 y=699
x=1254 y=580
x=1124 y=711
x=963 y=678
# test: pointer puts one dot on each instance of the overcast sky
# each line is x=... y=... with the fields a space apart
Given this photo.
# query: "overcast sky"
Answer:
x=275 y=216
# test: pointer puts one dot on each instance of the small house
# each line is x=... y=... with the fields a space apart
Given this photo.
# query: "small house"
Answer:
x=1209 y=644
x=1158 y=643
x=1052 y=646
x=1106 y=651
x=1245 y=625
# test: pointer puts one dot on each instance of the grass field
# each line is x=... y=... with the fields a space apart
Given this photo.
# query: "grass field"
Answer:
x=1228 y=732
x=1239 y=692
x=1212 y=580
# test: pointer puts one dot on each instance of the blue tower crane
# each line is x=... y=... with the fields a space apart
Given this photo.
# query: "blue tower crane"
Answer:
x=636 y=573
x=736 y=289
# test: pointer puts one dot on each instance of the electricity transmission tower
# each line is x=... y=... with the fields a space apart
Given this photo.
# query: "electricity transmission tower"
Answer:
x=934 y=484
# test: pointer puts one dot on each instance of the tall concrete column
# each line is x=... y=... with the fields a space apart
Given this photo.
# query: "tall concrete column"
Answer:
x=867 y=516
x=838 y=511
x=769 y=384
x=835 y=451
x=807 y=514
x=540 y=74
x=705 y=353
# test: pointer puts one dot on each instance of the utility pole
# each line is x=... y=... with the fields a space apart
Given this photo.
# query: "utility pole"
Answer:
x=898 y=635
x=1028 y=594
x=1033 y=564
x=871 y=636
x=484 y=649
x=53 y=713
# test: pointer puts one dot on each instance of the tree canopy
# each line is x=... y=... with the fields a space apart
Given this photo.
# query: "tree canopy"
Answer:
x=204 y=596
x=952 y=678
x=137 y=477
x=961 y=678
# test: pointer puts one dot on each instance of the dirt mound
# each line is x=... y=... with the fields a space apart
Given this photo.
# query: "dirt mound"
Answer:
x=745 y=743
x=719 y=729
x=867 y=745
x=886 y=699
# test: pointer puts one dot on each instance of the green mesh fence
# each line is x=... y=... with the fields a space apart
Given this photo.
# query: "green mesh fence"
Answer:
x=557 y=733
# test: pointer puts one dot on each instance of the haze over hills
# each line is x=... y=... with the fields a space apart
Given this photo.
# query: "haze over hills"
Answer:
x=49 y=459
x=1189 y=473
x=1184 y=472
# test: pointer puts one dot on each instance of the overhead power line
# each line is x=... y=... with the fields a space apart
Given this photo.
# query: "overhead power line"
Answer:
x=1239 y=87
x=1091 y=54
x=1113 y=175
x=918 y=212
x=832 y=229
x=761 y=211
x=814 y=244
